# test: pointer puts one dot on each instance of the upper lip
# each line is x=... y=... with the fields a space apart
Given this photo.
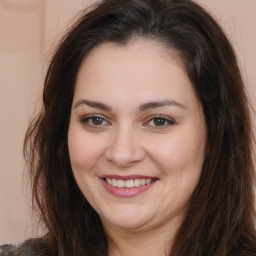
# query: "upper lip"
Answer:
x=128 y=177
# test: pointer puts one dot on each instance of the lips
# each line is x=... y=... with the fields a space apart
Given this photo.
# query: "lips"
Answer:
x=127 y=186
x=131 y=183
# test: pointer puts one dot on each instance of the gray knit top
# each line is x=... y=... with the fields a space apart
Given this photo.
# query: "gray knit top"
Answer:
x=31 y=247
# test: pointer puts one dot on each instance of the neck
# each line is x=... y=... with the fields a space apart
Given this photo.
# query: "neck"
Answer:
x=149 y=242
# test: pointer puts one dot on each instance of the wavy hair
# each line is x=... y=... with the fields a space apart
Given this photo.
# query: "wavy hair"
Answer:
x=220 y=216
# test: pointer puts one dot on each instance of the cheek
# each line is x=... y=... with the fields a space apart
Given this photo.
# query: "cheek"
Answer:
x=181 y=155
x=84 y=151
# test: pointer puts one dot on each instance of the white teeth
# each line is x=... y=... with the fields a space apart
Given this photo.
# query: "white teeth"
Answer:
x=128 y=183
x=148 y=181
x=136 y=182
x=109 y=181
x=114 y=182
x=119 y=183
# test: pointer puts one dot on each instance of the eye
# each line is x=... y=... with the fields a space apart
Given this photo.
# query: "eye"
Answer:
x=160 y=121
x=93 y=120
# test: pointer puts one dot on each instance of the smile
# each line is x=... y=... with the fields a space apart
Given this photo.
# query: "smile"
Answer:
x=127 y=186
x=131 y=183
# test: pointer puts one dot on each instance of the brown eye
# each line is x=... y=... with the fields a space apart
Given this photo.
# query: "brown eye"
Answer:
x=97 y=120
x=94 y=121
x=159 y=121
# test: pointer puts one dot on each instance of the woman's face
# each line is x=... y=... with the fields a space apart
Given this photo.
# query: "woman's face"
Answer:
x=137 y=135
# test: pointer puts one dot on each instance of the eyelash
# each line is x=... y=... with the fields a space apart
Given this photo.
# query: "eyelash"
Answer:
x=166 y=121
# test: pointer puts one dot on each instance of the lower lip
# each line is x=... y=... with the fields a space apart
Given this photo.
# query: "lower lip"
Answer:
x=126 y=192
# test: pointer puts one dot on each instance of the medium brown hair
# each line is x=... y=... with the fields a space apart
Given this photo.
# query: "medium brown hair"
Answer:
x=220 y=216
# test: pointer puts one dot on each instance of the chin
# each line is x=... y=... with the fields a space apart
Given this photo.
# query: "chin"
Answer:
x=126 y=221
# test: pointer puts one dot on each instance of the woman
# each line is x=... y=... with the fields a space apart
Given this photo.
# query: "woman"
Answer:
x=144 y=142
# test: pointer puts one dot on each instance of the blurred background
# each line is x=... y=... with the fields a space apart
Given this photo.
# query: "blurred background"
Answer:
x=29 y=31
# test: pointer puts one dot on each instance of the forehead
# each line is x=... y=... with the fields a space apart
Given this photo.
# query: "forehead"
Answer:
x=136 y=48
x=141 y=69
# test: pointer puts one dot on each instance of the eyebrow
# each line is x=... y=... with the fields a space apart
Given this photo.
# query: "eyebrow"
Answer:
x=157 y=104
x=142 y=108
x=92 y=104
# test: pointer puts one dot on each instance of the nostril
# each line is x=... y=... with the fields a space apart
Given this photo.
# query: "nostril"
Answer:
x=124 y=156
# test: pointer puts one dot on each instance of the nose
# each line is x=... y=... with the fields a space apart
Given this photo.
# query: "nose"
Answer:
x=125 y=148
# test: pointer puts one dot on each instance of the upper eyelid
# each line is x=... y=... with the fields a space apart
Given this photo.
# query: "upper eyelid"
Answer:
x=94 y=115
x=160 y=116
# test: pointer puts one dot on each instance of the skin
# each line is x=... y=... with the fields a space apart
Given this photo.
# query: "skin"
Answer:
x=165 y=141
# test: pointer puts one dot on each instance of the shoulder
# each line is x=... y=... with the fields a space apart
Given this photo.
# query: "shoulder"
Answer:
x=7 y=249
x=31 y=247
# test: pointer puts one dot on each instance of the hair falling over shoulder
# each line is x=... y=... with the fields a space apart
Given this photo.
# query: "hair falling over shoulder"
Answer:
x=220 y=219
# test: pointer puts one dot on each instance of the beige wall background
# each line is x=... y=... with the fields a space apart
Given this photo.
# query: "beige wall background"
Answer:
x=29 y=29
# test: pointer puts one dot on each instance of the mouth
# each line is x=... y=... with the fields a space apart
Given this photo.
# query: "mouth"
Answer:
x=130 y=183
x=127 y=186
